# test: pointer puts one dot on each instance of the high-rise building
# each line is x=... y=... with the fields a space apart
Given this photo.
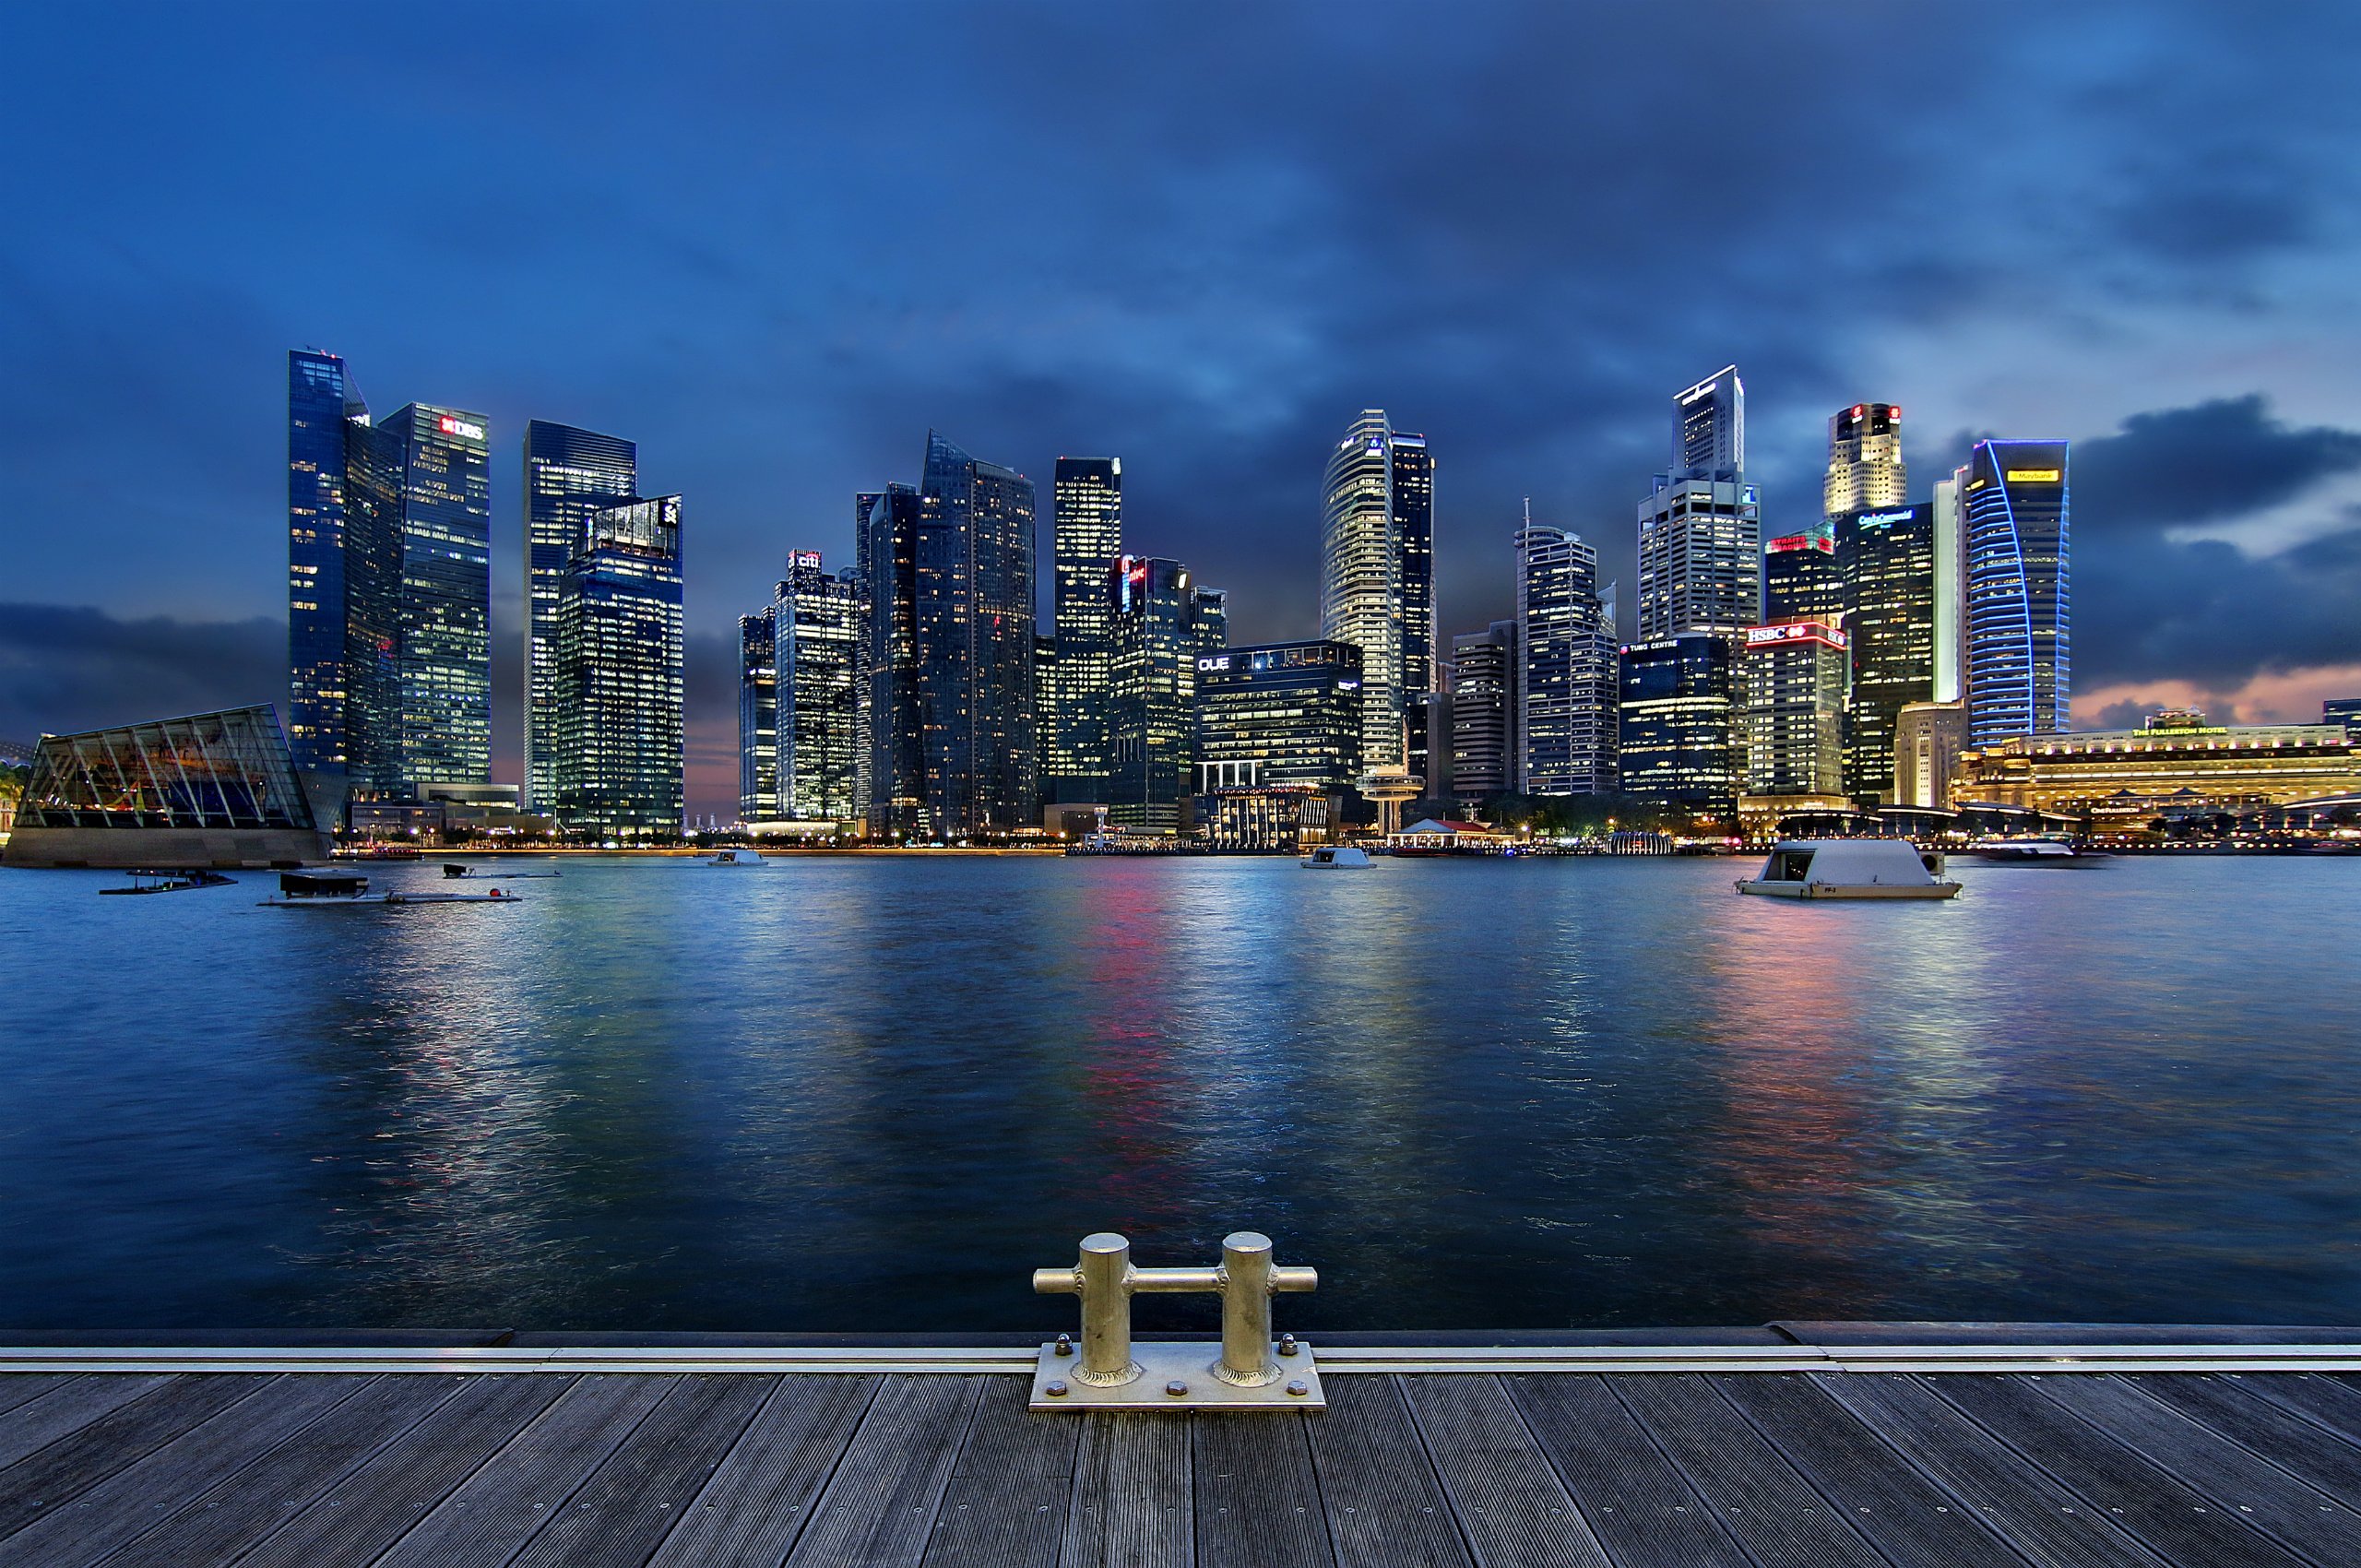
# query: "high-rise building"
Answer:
x=1927 y=739
x=817 y=617
x=1678 y=745
x=1709 y=428
x=1792 y=679
x=389 y=587
x=619 y=757
x=2018 y=650
x=1866 y=472
x=569 y=473
x=1800 y=580
x=1377 y=580
x=1280 y=715
x=1700 y=532
x=1951 y=595
x=1566 y=681
x=948 y=660
x=1485 y=746
x=1889 y=561
x=758 y=714
x=1086 y=534
x=1157 y=642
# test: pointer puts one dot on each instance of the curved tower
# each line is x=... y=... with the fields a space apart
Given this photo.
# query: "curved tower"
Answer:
x=1376 y=581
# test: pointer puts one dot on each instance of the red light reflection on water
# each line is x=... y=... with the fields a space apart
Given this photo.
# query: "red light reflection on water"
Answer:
x=1132 y=1088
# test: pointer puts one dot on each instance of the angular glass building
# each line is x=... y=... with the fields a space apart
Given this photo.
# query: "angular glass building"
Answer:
x=321 y=404
x=619 y=651
x=1678 y=745
x=890 y=787
x=817 y=622
x=1162 y=625
x=1377 y=580
x=758 y=714
x=1087 y=531
x=1888 y=558
x=2017 y=646
x=211 y=789
x=431 y=465
x=1566 y=672
x=569 y=473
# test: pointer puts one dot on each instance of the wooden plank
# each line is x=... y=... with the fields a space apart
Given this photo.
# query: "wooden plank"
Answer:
x=2233 y=1480
x=57 y=1473
x=759 y=1496
x=17 y=1387
x=216 y=1526
x=879 y=1505
x=371 y=1506
x=1757 y=1495
x=74 y=1404
x=1010 y=1487
x=1914 y=1522
x=1507 y=1500
x=2235 y=1407
x=1638 y=1501
x=1132 y=1503
x=634 y=1499
x=125 y=1505
x=1257 y=1497
x=522 y=1486
x=2037 y=1515
x=2167 y=1516
x=2327 y=1400
x=1386 y=1506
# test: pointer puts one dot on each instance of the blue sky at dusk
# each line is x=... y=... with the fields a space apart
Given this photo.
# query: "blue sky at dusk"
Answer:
x=774 y=244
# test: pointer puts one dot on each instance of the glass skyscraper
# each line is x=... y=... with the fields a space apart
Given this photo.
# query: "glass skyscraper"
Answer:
x=1701 y=533
x=1888 y=559
x=321 y=405
x=1800 y=579
x=1484 y=747
x=569 y=473
x=1280 y=716
x=758 y=714
x=432 y=465
x=1377 y=580
x=1086 y=532
x=817 y=622
x=1792 y=679
x=2017 y=645
x=1162 y=625
x=890 y=783
x=1566 y=686
x=620 y=753
x=1679 y=746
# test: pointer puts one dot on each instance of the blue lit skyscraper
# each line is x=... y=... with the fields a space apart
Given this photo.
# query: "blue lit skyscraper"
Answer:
x=2017 y=648
x=569 y=474
x=320 y=403
x=619 y=754
x=758 y=714
x=1566 y=681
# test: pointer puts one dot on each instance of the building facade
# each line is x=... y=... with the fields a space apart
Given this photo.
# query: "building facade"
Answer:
x=1163 y=626
x=1086 y=535
x=1792 y=679
x=1800 y=579
x=1888 y=558
x=1927 y=740
x=758 y=714
x=1680 y=744
x=816 y=641
x=1866 y=472
x=569 y=473
x=1280 y=715
x=321 y=405
x=619 y=648
x=1377 y=580
x=1484 y=747
x=2177 y=760
x=2017 y=641
x=1701 y=535
x=1566 y=681
x=890 y=786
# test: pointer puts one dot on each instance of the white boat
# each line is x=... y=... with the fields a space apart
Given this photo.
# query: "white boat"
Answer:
x=341 y=890
x=1337 y=857
x=2032 y=853
x=1851 y=868
x=737 y=858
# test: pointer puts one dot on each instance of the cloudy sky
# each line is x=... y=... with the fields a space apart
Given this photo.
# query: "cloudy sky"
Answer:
x=774 y=243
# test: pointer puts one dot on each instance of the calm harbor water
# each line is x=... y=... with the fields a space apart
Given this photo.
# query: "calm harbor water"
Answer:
x=872 y=1095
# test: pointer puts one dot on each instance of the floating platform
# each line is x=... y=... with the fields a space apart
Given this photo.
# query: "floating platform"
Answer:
x=1816 y=1444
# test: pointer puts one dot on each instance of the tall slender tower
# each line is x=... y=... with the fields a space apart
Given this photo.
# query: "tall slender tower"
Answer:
x=1866 y=472
x=619 y=757
x=1376 y=581
x=2018 y=649
x=1701 y=531
x=569 y=473
x=321 y=404
x=1086 y=534
x=1566 y=694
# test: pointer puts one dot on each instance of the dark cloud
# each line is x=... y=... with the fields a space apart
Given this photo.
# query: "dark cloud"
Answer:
x=2205 y=612
x=2211 y=463
x=65 y=669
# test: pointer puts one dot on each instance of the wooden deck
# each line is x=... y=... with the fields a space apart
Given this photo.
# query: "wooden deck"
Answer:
x=1756 y=1468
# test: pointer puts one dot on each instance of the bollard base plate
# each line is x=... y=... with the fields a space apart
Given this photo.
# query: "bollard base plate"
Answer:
x=1162 y=1363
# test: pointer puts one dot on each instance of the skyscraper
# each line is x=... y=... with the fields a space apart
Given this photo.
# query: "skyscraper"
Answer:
x=1866 y=472
x=1280 y=716
x=1800 y=579
x=2017 y=647
x=1377 y=580
x=1709 y=428
x=817 y=617
x=1678 y=745
x=1485 y=745
x=1086 y=534
x=1792 y=681
x=1888 y=558
x=569 y=473
x=620 y=756
x=758 y=714
x=948 y=659
x=321 y=404
x=1566 y=684
x=1157 y=641
x=1701 y=535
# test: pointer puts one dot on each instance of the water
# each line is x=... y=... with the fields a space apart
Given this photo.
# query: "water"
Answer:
x=872 y=1095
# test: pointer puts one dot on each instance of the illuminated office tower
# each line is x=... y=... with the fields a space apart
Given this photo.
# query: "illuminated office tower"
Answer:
x=758 y=714
x=1888 y=559
x=1678 y=745
x=817 y=622
x=1157 y=643
x=1951 y=595
x=1377 y=580
x=1701 y=536
x=1800 y=581
x=1280 y=716
x=569 y=474
x=1566 y=681
x=620 y=758
x=1484 y=747
x=1866 y=472
x=1792 y=678
x=891 y=785
x=2018 y=651
x=321 y=404
x=1086 y=534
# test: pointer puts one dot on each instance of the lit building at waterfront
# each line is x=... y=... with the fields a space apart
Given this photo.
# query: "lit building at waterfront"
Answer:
x=1887 y=557
x=1792 y=678
x=1163 y=626
x=569 y=473
x=758 y=714
x=948 y=657
x=1800 y=580
x=1483 y=745
x=1866 y=472
x=2016 y=645
x=2177 y=761
x=1279 y=715
x=817 y=617
x=321 y=607
x=1680 y=746
x=1927 y=740
x=1086 y=535
x=1377 y=580
x=619 y=646
x=1566 y=684
x=1701 y=545
x=1951 y=593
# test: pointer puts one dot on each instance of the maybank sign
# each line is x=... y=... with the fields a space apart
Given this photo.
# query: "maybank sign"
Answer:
x=2036 y=476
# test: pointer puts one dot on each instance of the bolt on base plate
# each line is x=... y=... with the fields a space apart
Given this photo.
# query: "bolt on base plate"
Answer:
x=1163 y=1364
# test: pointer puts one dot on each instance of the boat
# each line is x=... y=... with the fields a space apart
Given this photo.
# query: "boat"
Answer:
x=1851 y=868
x=172 y=882
x=737 y=858
x=379 y=852
x=1337 y=857
x=2034 y=853
x=344 y=890
x=453 y=871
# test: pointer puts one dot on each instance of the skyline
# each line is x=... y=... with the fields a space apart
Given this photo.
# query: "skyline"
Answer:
x=2126 y=227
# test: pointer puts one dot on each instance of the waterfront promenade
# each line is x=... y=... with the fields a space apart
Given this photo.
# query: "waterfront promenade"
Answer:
x=1797 y=1444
